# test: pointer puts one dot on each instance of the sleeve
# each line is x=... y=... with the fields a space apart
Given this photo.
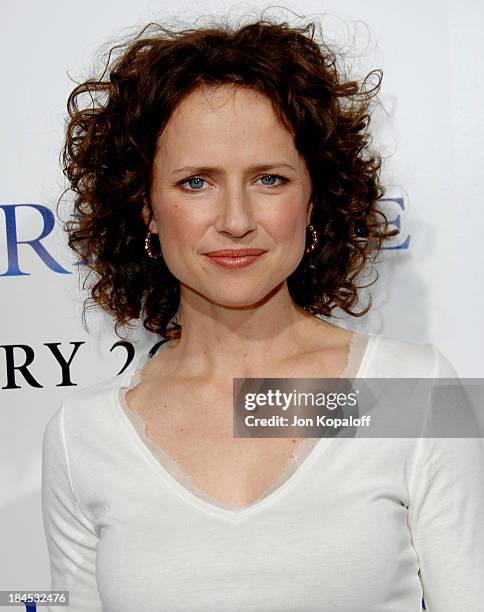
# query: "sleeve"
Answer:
x=446 y=516
x=70 y=536
x=442 y=368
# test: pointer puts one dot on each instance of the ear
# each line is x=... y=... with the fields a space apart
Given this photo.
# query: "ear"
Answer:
x=309 y=213
x=148 y=219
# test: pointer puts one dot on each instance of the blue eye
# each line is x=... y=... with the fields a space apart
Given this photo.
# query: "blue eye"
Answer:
x=273 y=176
x=198 y=180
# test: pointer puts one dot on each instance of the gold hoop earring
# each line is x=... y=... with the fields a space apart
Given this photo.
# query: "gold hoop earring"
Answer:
x=314 y=241
x=148 y=246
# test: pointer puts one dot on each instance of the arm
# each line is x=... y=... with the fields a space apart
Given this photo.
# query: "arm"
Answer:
x=446 y=516
x=71 y=538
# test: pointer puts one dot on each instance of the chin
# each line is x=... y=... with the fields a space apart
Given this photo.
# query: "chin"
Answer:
x=234 y=301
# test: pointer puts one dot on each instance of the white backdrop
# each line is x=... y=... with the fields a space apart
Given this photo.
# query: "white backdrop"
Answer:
x=429 y=128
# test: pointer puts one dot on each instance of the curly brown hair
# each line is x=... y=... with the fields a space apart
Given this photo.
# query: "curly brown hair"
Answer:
x=114 y=123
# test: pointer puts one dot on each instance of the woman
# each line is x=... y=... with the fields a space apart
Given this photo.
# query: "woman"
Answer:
x=225 y=194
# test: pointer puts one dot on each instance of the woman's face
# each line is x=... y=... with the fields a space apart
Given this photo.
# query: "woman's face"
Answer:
x=226 y=175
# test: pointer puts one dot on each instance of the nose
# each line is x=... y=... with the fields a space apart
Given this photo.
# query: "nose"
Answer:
x=235 y=215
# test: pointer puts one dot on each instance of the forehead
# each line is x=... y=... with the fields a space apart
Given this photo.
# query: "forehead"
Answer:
x=224 y=117
x=223 y=99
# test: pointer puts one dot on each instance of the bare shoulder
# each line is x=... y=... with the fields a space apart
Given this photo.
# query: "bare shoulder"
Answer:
x=159 y=385
x=324 y=336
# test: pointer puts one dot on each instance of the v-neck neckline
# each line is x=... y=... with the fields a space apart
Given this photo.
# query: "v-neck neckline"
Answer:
x=236 y=514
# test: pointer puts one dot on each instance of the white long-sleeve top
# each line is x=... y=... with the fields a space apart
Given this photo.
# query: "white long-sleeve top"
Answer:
x=362 y=525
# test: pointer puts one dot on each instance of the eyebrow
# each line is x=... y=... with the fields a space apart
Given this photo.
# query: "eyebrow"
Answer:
x=216 y=170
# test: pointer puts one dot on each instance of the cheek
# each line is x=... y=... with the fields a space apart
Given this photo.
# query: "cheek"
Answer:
x=288 y=227
x=178 y=230
x=170 y=223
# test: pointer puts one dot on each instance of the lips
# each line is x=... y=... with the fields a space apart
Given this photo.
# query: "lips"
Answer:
x=233 y=259
x=235 y=253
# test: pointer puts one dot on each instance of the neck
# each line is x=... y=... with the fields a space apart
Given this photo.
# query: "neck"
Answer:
x=217 y=339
